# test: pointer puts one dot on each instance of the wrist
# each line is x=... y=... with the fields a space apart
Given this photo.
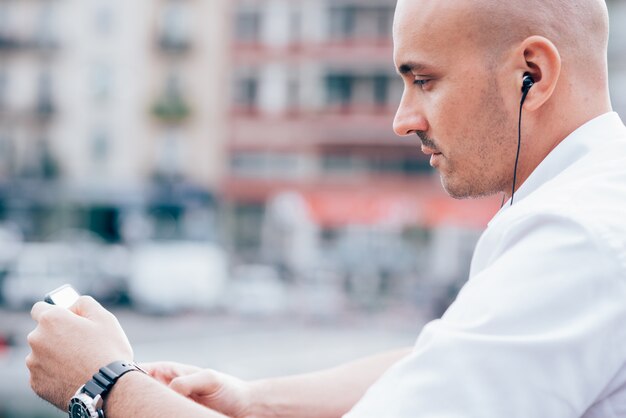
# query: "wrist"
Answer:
x=90 y=399
x=261 y=401
x=124 y=385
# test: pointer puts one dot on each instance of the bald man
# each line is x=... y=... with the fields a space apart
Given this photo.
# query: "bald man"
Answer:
x=507 y=97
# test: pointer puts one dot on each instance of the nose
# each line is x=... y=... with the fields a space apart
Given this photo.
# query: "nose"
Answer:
x=409 y=117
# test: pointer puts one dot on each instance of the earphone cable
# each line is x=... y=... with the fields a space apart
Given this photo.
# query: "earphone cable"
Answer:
x=519 y=145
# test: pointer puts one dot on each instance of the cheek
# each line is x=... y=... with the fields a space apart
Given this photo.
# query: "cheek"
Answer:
x=454 y=122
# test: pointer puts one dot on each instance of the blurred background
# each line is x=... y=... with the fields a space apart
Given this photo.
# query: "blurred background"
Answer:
x=222 y=174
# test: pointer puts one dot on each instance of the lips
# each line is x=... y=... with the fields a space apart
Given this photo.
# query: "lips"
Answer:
x=434 y=155
x=434 y=159
x=429 y=151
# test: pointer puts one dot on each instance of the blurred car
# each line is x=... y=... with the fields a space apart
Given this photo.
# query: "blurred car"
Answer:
x=42 y=267
x=256 y=290
x=10 y=245
x=174 y=276
x=110 y=263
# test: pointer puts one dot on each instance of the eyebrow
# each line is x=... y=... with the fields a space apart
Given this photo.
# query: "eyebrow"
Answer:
x=409 y=67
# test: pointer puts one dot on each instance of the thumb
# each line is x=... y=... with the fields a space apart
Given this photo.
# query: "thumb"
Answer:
x=202 y=383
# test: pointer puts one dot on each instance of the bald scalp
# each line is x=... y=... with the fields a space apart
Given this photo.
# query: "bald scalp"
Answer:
x=578 y=28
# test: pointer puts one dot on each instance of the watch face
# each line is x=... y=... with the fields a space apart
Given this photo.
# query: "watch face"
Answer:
x=79 y=409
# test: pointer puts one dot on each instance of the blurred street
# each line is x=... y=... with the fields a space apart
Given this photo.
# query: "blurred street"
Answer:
x=247 y=348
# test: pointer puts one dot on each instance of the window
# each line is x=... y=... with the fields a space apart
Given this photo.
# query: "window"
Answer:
x=248 y=26
x=48 y=167
x=342 y=22
x=349 y=22
x=99 y=146
x=365 y=90
x=45 y=103
x=385 y=20
x=102 y=82
x=355 y=160
x=339 y=89
x=293 y=94
x=266 y=165
x=7 y=38
x=175 y=23
x=246 y=93
x=342 y=164
x=170 y=155
x=381 y=90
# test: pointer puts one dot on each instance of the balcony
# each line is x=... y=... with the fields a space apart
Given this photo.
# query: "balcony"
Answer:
x=354 y=125
x=171 y=109
x=378 y=50
x=174 y=44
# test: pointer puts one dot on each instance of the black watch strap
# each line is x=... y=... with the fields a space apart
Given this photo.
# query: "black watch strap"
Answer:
x=102 y=382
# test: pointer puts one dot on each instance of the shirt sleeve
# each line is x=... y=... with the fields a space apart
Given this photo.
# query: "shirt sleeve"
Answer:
x=538 y=333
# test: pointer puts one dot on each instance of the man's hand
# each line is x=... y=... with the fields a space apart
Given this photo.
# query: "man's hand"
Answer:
x=166 y=371
x=220 y=392
x=69 y=346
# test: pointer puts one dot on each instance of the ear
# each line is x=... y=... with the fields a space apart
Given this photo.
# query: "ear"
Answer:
x=540 y=58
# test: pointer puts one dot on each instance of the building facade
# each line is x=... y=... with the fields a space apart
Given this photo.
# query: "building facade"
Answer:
x=314 y=96
x=109 y=106
x=155 y=106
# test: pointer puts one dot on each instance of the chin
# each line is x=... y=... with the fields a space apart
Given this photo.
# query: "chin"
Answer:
x=466 y=190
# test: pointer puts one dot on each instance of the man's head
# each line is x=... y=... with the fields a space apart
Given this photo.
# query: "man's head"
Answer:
x=463 y=62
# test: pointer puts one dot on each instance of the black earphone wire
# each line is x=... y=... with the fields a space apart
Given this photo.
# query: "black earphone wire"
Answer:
x=519 y=143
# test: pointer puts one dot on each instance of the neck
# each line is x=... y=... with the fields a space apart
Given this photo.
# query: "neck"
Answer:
x=541 y=135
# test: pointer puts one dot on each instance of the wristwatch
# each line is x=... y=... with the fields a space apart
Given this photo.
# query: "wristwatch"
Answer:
x=88 y=402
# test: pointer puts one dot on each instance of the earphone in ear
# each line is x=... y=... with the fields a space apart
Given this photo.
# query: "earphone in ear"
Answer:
x=527 y=82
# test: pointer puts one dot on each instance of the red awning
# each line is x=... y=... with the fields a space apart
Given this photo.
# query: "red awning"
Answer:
x=373 y=202
x=426 y=208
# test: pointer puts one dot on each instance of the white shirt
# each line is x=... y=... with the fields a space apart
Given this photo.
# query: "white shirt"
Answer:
x=539 y=330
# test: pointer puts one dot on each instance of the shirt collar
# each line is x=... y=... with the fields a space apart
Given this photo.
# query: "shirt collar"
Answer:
x=592 y=134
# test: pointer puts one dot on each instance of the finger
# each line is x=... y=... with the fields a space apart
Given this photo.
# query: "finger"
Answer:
x=39 y=308
x=152 y=367
x=160 y=371
x=88 y=307
x=165 y=371
x=202 y=383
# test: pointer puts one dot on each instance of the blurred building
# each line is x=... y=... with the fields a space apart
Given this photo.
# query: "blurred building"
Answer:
x=617 y=55
x=315 y=92
x=110 y=110
x=110 y=105
x=29 y=62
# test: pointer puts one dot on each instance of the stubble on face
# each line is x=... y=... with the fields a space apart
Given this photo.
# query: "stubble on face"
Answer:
x=479 y=161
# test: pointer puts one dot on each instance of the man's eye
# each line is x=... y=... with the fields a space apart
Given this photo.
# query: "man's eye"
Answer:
x=419 y=82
